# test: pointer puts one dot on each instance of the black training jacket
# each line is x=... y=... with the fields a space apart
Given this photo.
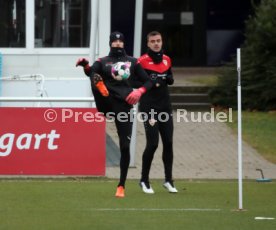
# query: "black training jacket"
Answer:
x=120 y=89
x=158 y=97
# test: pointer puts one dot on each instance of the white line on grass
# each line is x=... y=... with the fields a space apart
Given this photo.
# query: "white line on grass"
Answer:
x=264 y=218
x=158 y=209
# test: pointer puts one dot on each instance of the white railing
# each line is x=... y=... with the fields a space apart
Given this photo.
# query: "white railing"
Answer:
x=47 y=99
x=39 y=78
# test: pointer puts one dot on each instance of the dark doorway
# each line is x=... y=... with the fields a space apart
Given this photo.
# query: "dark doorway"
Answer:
x=183 y=26
x=225 y=28
x=122 y=19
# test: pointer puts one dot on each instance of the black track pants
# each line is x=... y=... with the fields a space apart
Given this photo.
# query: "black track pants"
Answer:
x=111 y=107
x=124 y=130
x=152 y=129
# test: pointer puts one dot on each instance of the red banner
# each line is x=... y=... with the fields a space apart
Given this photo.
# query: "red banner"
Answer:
x=52 y=141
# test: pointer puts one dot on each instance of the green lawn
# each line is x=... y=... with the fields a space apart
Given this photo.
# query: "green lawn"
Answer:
x=259 y=130
x=90 y=204
x=209 y=80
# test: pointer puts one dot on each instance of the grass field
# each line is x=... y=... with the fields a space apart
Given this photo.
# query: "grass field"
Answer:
x=259 y=130
x=90 y=204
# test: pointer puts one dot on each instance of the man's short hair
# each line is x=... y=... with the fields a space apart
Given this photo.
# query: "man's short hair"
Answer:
x=153 y=33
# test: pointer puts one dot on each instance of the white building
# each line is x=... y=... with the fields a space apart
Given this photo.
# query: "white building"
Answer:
x=48 y=36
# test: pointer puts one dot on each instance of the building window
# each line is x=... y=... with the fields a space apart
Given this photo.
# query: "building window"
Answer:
x=62 y=23
x=12 y=23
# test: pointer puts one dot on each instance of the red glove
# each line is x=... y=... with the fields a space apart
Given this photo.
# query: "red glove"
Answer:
x=85 y=64
x=82 y=62
x=135 y=95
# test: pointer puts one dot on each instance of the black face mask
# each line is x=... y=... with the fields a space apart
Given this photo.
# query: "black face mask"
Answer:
x=157 y=57
x=117 y=52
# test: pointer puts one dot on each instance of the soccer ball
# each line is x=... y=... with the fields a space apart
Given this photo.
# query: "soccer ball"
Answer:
x=120 y=71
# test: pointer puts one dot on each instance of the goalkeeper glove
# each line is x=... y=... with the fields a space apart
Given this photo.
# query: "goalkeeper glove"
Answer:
x=135 y=95
x=99 y=84
x=85 y=64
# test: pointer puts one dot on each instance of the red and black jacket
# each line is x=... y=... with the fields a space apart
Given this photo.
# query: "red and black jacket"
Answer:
x=158 y=97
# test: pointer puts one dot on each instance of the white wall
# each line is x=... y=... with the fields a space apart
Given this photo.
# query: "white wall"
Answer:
x=52 y=87
x=50 y=65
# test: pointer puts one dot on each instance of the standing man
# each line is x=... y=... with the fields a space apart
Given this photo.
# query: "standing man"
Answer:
x=113 y=93
x=157 y=101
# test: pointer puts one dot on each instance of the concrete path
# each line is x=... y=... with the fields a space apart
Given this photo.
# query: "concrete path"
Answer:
x=205 y=150
x=201 y=150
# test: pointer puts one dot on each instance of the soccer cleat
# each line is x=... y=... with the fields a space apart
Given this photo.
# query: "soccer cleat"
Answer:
x=120 y=193
x=98 y=82
x=146 y=187
x=170 y=187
